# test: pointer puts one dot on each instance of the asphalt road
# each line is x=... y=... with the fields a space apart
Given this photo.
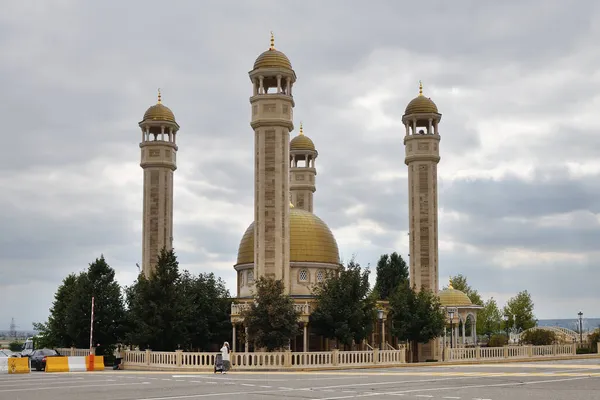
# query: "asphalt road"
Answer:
x=561 y=380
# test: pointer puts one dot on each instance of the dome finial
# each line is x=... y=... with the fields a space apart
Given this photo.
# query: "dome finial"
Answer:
x=420 y=88
x=272 y=41
x=159 y=97
x=301 y=130
x=450 y=284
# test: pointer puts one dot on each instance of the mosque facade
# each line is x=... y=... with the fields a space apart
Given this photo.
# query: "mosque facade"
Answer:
x=287 y=240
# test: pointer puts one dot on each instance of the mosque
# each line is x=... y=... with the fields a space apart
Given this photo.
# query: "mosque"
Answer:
x=286 y=240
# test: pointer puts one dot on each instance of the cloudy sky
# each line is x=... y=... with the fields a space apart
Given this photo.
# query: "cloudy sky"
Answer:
x=517 y=83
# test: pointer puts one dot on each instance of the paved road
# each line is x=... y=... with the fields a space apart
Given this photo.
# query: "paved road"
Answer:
x=564 y=380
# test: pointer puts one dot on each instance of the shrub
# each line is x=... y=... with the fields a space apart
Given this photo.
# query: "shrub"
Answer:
x=594 y=339
x=15 y=346
x=538 y=337
x=498 y=341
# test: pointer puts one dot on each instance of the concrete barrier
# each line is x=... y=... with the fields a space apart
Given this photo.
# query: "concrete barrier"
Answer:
x=74 y=364
x=94 y=363
x=14 y=365
x=57 y=364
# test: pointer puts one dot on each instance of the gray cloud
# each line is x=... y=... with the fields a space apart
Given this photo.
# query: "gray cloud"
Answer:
x=516 y=84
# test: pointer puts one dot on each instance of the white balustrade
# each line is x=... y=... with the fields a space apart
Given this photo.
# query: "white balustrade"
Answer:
x=508 y=352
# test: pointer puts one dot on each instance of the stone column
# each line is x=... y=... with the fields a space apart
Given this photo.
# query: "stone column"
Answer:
x=464 y=332
x=247 y=341
x=233 y=339
x=305 y=341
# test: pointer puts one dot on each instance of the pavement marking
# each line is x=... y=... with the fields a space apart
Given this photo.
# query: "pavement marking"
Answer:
x=191 y=396
x=3 y=384
x=486 y=385
x=450 y=397
x=530 y=365
x=66 y=387
x=423 y=395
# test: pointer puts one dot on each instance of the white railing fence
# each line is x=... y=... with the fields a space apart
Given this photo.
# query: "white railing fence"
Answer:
x=73 y=352
x=508 y=352
x=263 y=360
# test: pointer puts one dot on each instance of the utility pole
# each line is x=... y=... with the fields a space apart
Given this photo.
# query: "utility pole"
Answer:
x=13 y=329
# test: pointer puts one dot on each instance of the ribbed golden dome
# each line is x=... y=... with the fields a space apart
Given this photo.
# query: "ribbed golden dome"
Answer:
x=421 y=104
x=159 y=112
x=272 y=59
x=452 y=297
x=311 y=240
x=302 y=142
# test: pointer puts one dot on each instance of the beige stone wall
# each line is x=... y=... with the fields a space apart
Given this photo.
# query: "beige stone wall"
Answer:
x=271 y=120
x=158 y=159
x=302 y=187
x=422 y=157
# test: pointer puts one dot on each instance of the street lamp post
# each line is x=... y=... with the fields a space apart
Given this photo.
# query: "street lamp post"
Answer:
x=451 y=314
x=580 y=326
x=380 y=318
x=506 y=328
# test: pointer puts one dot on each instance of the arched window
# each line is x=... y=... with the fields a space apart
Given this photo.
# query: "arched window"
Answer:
x=303 y=275
x=250 y=277
x=320 y=276
x=241 y=278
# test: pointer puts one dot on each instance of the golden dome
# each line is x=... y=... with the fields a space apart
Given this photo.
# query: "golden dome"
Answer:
x=311 y=240
x=272 y=58
x=159 y=112
x=302 y=142
x=421 y=104
x=454 y=298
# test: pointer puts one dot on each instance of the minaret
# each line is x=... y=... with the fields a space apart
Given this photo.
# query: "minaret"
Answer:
x=421 y=120
x=159 y=149
x=421 y=141
x=272 y=103
x=303 y=173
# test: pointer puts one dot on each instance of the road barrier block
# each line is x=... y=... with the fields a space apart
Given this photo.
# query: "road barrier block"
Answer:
x=18 y=365
x=57 y=364
x=94 y=363
x=3 y=365
x=77 y=364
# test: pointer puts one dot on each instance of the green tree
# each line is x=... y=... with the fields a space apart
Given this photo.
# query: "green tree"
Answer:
x=489 y=319
x=157 y=317
x=459 y=282
x=416 y=317
x=206 y=310
x=271 y=319
x=345 y=310
x=55 y=330
x=69 y=321
x=391 y=271
x=519 y=310
x=109 y=311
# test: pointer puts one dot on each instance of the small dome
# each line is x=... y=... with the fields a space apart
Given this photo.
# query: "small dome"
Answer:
x=311 y=240
x=421 y=104
x=159 y=112
x=454 y=298
x=302 y=142
x=272 y=58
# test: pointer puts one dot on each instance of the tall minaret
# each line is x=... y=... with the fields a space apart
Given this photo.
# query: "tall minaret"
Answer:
x=159 y=149
x=272 y=104
x=303 y=173
x=422 y=139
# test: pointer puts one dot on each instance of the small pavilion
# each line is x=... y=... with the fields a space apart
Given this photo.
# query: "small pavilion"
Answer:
x=461 y=315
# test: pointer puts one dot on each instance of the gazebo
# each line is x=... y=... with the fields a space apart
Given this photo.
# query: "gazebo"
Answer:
x=461 y=314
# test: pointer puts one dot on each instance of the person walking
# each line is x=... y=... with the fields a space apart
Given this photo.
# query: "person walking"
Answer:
x=225 y=354
x=118 y=358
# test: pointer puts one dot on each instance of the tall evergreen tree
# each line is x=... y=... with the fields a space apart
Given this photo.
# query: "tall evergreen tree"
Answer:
x=271 y=319
x=345 y=309
x=156 y=312
x=392 y=270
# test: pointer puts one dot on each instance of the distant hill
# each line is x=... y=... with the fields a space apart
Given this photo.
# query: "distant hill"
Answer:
x=589 y=324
